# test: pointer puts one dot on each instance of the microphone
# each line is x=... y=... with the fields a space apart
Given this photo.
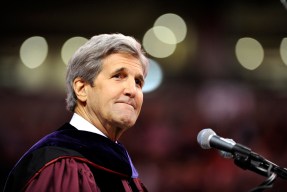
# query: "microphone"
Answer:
x=207 y=139
x=242 y=155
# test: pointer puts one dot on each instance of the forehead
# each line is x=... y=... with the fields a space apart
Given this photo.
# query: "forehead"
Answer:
x=119 y=60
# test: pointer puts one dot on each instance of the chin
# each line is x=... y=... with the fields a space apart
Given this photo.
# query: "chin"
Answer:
x=125 y=118
x=128 y=122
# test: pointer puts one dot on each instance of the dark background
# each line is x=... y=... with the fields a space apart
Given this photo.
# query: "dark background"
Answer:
x=211 y=89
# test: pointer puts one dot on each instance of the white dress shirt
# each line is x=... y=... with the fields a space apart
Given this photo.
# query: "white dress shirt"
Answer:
x=82 y=124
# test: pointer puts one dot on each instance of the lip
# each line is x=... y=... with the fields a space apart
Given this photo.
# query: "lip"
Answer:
x=129 y=102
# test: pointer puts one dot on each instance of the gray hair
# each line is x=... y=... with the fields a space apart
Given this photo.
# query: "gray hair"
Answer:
x=87 y=60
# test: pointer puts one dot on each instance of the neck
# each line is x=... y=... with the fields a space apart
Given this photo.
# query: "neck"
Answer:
x=112 y=132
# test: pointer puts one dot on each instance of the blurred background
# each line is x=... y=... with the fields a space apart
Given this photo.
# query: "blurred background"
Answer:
x=214 y=64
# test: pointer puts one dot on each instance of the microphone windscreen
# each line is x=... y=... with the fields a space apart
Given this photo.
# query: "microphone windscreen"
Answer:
x=204 y=136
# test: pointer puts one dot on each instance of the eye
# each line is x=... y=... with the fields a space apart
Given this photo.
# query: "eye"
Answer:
x=139 y=82
x=118 y=76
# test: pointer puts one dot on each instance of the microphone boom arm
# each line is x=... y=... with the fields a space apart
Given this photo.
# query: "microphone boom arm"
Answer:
x=246 y=159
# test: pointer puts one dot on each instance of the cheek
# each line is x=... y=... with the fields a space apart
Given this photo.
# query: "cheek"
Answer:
x=111 y=90
x=140 y=100
x=95 y=98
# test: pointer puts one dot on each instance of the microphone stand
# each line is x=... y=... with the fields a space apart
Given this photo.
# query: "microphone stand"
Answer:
x=258 y=164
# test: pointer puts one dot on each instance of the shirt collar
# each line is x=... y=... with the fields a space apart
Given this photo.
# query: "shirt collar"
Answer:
x=82 y=124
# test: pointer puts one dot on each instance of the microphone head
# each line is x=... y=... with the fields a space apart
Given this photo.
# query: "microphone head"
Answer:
x=204 y=137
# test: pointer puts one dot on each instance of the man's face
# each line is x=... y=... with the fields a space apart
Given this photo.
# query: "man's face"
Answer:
x=116 y=98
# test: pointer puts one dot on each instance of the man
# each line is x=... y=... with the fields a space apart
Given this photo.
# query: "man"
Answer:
x=104 y=91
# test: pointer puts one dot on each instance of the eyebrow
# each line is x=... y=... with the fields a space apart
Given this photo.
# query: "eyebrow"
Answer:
x=120 y=70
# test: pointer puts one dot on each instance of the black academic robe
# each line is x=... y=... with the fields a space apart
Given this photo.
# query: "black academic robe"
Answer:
x=107 y=160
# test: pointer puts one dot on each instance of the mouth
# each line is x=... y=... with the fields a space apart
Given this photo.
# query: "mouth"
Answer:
x=130 y=102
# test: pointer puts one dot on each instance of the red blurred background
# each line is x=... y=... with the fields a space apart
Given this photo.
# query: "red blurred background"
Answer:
x=211 y=90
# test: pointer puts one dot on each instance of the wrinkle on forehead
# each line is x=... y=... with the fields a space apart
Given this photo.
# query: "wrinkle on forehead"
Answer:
x=125 y=59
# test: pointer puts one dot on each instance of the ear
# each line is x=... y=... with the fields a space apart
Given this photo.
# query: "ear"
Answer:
x=80 y=90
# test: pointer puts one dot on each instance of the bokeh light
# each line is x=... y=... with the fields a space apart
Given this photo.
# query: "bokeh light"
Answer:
x=156 y=47
x=70 y=46
x=283 y=50
x=33 y=51
x=154 y=77
x=164 y=34
x=249 y=53
x=175 y=23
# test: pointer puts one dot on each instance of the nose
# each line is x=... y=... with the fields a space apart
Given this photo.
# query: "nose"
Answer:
x=130 y=88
